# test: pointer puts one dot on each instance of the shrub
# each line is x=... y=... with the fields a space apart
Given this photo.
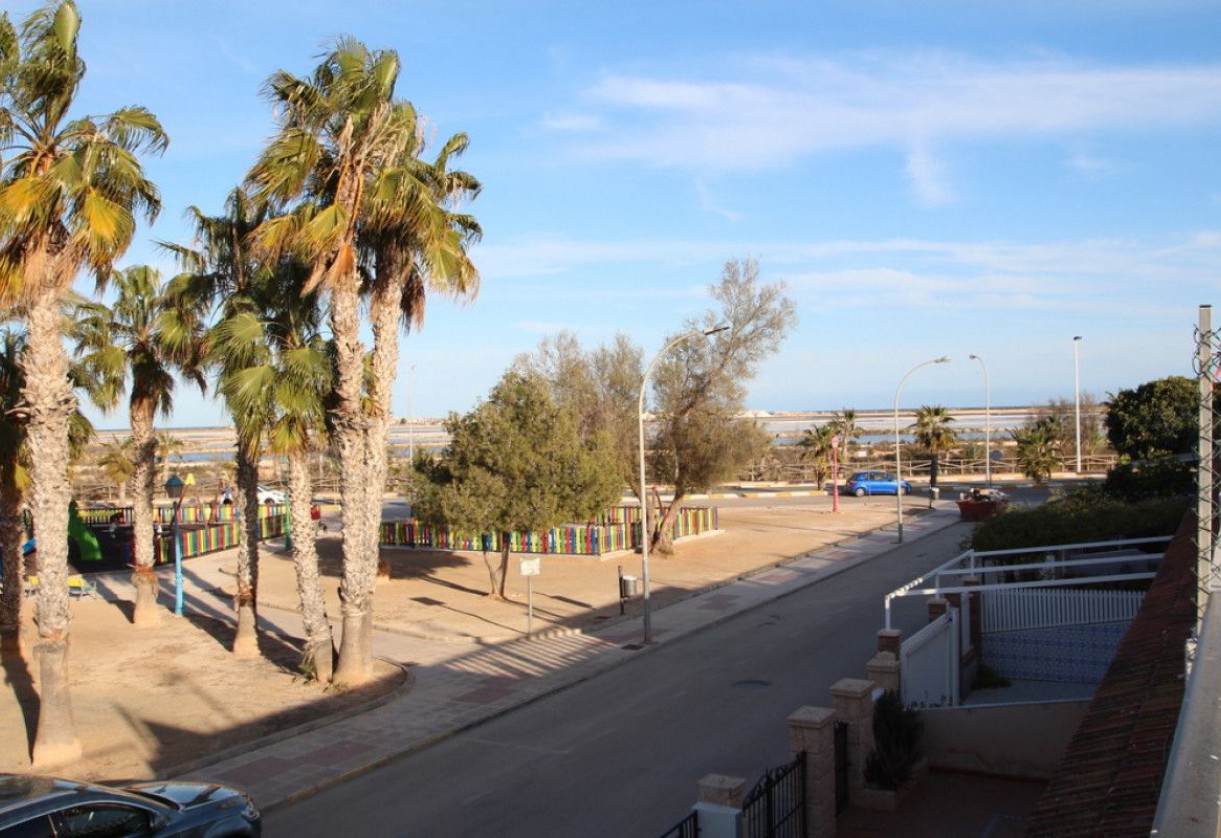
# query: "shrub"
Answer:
x=1084 y=515
x=896 y=735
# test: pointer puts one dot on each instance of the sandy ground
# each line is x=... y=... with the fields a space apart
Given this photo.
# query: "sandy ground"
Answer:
x=149 y=702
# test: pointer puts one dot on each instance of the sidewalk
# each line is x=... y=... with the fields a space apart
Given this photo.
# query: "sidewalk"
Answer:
x=462 y=672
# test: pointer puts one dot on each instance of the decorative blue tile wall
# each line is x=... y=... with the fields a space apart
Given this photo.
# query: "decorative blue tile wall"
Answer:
x=1065 y=654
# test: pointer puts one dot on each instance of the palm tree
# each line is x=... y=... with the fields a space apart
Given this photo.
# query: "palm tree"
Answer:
x=116 y=463
x=415 y=244
x=816 y=445
x=70 y=190
x=847 y=430
x=933 y=432
x=14 y=480
x=278 y=368
x=1039 y=447
x=224 y=267
x=149 y=334
x=338 y=130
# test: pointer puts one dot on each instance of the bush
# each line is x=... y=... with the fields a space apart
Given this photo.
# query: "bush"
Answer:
x=896 y=735
x=1084 y=515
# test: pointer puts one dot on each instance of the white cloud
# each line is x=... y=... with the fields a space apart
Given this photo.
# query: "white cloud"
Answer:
x=929 y=177
x=572 y=122
x=777 y=111
x=708 y=202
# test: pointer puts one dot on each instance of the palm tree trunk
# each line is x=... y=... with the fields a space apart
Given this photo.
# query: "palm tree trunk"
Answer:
x=51 y=402
x=144 y=470
x=319 y=653
x=355 y=665
x=12 y=537
x=663 y=540
x=246 y=601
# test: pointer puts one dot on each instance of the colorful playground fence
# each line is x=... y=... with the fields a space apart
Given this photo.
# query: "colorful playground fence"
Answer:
x=619 y=530
x=202 y=529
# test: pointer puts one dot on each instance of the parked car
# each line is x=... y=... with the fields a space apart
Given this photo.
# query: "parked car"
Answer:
x=874 y=483
x=46 y=806
x=270 y=495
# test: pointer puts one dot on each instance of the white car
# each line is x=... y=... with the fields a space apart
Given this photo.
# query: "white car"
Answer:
x=270 y=495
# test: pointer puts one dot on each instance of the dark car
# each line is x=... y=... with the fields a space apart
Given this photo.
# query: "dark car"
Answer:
x=46 y=807
x=874 y=483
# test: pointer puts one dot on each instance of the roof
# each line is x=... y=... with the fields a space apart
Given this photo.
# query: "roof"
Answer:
x=1111 y=774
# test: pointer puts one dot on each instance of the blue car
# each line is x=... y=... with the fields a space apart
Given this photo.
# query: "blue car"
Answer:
x=37 y=806
x=874 y=483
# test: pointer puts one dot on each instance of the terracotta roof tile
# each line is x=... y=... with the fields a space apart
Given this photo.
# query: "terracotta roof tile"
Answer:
x=1111 y=774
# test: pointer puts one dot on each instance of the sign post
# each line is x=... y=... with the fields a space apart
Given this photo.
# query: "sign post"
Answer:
x=530 y=568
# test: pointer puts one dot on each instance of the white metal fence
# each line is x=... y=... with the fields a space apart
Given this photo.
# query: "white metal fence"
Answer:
x=1025 y=609
x=929 y=663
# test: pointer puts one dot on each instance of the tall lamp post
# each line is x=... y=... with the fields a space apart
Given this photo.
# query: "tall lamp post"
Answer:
x=898 y=448
x=987 y=422
x=1077 y=393
x=644 y=506
x=835 y=443
x=173 y=488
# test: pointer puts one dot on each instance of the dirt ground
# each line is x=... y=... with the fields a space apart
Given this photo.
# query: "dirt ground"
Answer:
x=150 y=702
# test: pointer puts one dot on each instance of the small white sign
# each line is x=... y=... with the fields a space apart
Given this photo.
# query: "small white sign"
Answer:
x=531 y=567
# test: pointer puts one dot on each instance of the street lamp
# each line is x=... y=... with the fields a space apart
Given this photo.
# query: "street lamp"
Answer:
x=898 y=459
x=987 y=422
x=835 y=443
x=644 y=507
x=173 y=488
x=1077 y=393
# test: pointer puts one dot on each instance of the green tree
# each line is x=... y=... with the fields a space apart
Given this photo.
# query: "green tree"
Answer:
x=14 y=481
x=517 y=463
x=1155 y=419
x=345 y=153
x=70 y=191
x=934 y=434
x=600 y=388
x=699 y=389
x=1039 y=450
x=277 y=367
x=148 y=335
x=116 y=463
x=816 y=446
x=224 y=270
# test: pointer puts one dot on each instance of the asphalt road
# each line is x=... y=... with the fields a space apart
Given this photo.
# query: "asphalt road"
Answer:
x=620 y=754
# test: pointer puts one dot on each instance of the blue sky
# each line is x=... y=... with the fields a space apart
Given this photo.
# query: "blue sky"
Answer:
x=928 y=178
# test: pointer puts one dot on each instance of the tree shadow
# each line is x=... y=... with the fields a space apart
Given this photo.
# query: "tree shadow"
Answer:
x=17 y=674
x=176 y=748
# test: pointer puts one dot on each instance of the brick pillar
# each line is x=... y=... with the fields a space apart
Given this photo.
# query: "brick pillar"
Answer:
x=853 y=700
x=889 y=640
x=883 y=670
x=937 y=606
x=812 y=729
x=719 y=805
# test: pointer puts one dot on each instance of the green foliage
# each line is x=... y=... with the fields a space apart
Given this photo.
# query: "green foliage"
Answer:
x=1157 y=418
x=1084 y=515
x=1161 y=478
x=517 y=462
x=896 y=734
x=1039 y=447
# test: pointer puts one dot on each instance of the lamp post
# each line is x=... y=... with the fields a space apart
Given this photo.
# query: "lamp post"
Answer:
x=644 y=506
x=1077 y=393
x=987 y=422
x=898 y=458
x=835 y=442
x=173 y=488
x=410 y=416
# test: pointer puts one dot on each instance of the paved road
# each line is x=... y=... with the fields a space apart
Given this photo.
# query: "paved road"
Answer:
x=619 y=754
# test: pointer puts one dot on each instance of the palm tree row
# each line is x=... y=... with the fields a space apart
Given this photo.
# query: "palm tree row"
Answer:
x=339 y=214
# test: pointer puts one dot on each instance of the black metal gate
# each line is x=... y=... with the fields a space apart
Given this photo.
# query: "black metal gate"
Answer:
x=776 y=806
x=841 y=766
x=688 y=827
